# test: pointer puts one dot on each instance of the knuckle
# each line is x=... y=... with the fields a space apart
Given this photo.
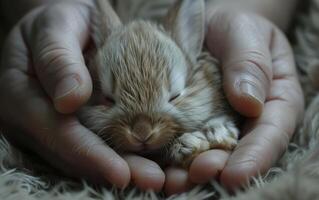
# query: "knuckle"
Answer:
x=257 y=64
x=290 y=93
x=241 y=17
x=66 y=15
x=46 y=138
x=253 y=65
x=54 y=61
x=249 y=21
x=54 y=13
x=277 y=132
x=243 y=20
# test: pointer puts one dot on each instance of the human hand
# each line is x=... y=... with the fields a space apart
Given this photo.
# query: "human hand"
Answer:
x=43 y=74
x=261 y=83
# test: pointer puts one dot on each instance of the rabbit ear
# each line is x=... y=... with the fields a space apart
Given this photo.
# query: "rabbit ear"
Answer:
x=104 y=20
x=185 y=24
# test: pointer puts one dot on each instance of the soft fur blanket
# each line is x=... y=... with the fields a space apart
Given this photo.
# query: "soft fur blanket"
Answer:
x=292 y=178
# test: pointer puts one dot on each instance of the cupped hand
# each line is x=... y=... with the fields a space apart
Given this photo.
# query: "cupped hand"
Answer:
x=43 y=80
x=261 y=83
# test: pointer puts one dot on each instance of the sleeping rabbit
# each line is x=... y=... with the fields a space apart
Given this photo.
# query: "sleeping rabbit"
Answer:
x=155 y=87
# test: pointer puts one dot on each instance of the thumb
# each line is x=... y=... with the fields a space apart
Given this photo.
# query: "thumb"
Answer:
x=243 y=50
x=56 y=45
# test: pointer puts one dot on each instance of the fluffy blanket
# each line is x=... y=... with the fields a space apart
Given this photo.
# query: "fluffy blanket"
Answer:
x=294 y=177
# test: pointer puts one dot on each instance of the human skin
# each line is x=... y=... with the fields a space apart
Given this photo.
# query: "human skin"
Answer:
x=38 y=56
x=253 y=51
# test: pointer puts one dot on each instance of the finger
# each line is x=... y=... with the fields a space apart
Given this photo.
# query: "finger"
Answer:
x=285 y=73
x=208 y=166
x=56 y=40
x=261 y=147
x=268 y=136
x=176 y=181
x=242 y=46
x=145 y=174
x=61 y=140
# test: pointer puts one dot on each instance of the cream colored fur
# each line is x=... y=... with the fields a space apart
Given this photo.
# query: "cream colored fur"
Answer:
x=166 y=92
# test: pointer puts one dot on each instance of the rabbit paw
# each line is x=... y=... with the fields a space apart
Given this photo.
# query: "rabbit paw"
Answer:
x=221 y=133
x=217 y=133
x=187 y=146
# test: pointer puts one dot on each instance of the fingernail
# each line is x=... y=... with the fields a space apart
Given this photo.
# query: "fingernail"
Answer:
x=252 y=91
x=65 y=87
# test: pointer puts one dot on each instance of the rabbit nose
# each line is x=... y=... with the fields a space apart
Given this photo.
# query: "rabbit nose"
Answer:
x=142 y=128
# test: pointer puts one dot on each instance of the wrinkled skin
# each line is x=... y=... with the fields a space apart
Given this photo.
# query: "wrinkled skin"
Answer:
x=43 y=75
x=261 y=83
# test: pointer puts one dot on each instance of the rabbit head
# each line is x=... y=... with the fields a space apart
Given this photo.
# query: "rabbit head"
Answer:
x=146 y=90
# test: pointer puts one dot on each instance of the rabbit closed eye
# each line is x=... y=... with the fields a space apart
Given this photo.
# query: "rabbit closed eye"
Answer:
x=156 y=89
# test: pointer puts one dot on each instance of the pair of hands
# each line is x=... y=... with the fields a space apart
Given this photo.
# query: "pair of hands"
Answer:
x=44 y=79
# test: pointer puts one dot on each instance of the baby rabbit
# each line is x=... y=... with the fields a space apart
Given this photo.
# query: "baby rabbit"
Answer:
x=155 y=90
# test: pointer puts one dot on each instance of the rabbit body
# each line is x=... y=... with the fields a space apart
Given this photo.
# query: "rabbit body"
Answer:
x=155 y=89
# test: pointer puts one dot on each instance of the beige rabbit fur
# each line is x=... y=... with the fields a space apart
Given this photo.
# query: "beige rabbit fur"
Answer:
x=161 y=91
